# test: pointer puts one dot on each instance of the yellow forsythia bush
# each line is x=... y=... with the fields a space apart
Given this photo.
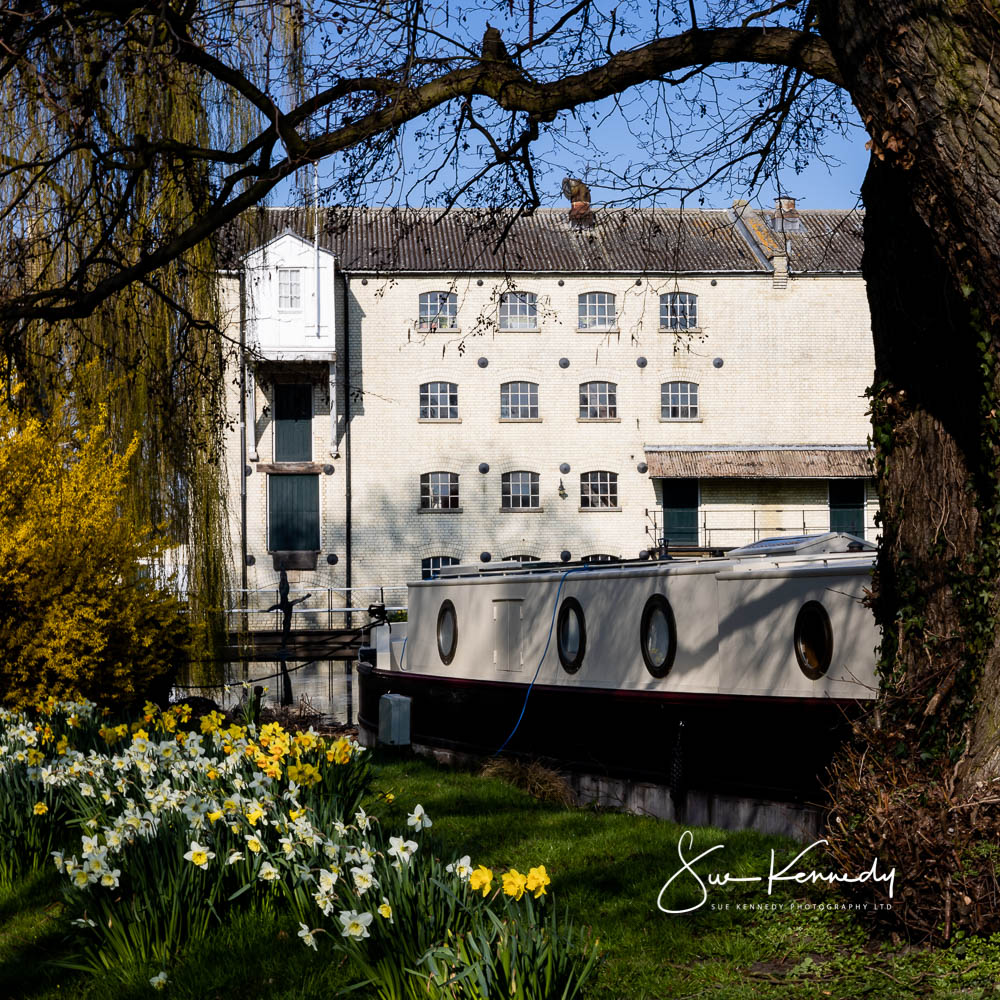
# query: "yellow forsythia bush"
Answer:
x=77 y=616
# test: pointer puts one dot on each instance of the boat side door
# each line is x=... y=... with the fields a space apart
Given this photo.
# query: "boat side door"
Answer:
x=507 y=652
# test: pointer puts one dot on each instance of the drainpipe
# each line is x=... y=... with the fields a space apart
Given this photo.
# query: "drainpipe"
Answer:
x=347 y=443
x=243 y=449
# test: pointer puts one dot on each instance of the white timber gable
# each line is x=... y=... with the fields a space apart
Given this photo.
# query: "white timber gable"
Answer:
x=290 y=301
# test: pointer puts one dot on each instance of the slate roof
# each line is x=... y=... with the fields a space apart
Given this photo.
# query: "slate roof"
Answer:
x=629 y=241
x=777 y=462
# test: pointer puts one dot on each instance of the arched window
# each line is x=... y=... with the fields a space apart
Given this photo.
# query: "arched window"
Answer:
x=439 y=491
x=438 y=311
x=598 y=400
x=519 y=490
x=601 y=557
x=431 y=566
x=438 y=401
x=679 y=401
x=678 y=311
x=519 y=401
x=599 y=489
x=597 y=311
x=520 y=558
x=518 y=311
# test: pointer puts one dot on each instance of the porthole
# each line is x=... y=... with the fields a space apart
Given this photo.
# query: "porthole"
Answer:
x=813 y=640
x=571 y=635
x=447 y=632
x=658 y=635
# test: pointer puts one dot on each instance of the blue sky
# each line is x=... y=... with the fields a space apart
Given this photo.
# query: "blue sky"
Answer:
x=608 y=137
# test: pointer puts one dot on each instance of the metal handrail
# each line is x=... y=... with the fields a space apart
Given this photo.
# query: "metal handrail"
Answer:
x=324 y=604
x=796 y=521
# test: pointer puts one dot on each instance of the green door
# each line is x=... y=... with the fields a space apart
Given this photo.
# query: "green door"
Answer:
x=847 y=506
x=293 y=513
x=680 y=511
x=292 y=422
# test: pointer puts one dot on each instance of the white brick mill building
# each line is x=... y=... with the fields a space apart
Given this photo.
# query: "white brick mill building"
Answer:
x=419 y=393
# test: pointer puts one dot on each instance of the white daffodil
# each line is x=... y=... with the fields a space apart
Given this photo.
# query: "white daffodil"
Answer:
x=363 y=879
x=159 y=981
x=268 y=872
x=307 y=937
x=385 y=909
x=328 y=879
x=355 y=924
x=402 y=849
x=362 y=820
x=199 y=855
x=418 y=819
x=462 y=868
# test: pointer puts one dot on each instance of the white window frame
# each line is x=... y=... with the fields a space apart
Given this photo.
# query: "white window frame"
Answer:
x=590 y=399
x=685 y=400
x=432 y=565
x=290 y=289
x=439 y=491
x=598 y=489
x=523 y=478
x=679 y=311
x=597 y=311
x=523 y=391
x=518 y=311
x=435 y=401
x=437 y=311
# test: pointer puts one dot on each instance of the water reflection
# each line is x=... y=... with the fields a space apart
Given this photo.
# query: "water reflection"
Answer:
x=322 y=684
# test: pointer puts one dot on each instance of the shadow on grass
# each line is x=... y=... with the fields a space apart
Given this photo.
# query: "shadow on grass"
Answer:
x=33 y=937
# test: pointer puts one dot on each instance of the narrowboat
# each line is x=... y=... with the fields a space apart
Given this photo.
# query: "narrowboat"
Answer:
x=735 y=675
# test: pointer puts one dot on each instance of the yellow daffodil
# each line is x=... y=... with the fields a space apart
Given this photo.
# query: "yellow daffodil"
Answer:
x=538 y=879
x=40 y=809
x=481 y=878
x=514 y=883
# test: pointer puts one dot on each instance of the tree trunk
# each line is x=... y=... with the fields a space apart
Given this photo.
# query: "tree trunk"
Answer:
x=925 y=81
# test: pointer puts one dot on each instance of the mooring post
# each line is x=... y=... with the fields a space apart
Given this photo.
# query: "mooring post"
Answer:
x=350 y=692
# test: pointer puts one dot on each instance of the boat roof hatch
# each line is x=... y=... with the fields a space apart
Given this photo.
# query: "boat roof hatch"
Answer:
x=832 y=541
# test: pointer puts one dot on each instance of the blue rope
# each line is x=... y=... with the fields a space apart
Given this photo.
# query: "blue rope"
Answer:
x=555 y=608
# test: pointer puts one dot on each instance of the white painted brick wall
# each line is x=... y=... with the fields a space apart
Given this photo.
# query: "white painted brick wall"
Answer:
x=796 y=362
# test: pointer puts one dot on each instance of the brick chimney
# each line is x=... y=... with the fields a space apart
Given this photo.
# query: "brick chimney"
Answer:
x=578 y=193
x=785 y=218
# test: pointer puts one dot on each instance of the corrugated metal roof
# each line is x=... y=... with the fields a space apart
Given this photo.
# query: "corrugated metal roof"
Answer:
x=772 y=462
x=633 y=241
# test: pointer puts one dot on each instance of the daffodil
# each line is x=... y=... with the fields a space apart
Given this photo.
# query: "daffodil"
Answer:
x=355 y=924
x=481 y=878
x=40 y=809
x=363 y=879
x=199 y=855
x=462 y=868
x=307 y=936
x=159 y=981
x=514 y=883
x=402 y=849
x=418 y=819
x=385 y=909
x=537 y=880
x=267 y=872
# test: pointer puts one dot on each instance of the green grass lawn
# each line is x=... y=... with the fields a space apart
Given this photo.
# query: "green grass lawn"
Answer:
x=607 y=870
